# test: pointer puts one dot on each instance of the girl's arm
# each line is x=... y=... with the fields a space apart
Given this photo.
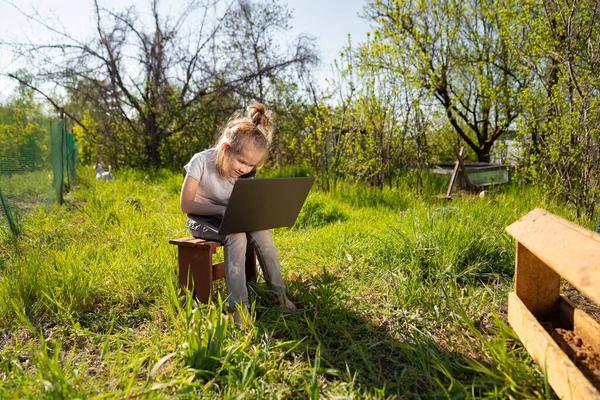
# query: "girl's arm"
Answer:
x=188 y=202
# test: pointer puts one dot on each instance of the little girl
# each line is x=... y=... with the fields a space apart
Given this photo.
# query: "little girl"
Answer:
x=241 y=149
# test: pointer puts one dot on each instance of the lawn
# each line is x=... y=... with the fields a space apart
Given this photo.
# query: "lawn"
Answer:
x=401 y=295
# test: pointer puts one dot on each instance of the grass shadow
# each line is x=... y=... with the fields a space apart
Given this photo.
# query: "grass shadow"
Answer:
x=374 y=359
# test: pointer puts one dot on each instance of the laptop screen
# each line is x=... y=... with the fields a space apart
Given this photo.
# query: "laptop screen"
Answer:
x=264 y=203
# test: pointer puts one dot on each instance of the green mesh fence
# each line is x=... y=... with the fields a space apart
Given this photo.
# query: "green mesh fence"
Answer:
x=70 y=154
x=37 y=166
x=64 y=158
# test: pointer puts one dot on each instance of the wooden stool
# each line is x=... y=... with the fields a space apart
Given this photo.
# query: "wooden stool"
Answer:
x=196 y=269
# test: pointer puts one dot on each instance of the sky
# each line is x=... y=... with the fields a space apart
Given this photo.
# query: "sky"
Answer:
x=330 y=21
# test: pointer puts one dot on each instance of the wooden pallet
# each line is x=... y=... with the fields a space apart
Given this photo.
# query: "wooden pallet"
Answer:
x=548 y=248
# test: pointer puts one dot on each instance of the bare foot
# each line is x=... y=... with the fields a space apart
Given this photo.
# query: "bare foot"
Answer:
x=286 y=302
x=291 y=306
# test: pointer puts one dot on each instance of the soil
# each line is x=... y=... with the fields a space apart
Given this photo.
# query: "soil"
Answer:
x=580 y=301
x=583 y=356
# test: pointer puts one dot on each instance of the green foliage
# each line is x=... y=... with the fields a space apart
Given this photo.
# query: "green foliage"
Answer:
x=288 y=171
x=23 y=135
x=561 y=128
x=86 y=138
x=206 y=333
x=316 y=212
x=25 y=162
x=203 y=121
x=50 y=280
x=370 y=129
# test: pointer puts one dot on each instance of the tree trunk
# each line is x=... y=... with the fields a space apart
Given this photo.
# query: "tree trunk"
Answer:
x=483 y=153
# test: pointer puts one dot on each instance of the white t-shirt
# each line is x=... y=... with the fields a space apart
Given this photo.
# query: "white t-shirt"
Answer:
x=212 y=187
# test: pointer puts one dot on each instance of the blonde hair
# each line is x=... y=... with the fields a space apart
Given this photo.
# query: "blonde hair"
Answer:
x=255 y=128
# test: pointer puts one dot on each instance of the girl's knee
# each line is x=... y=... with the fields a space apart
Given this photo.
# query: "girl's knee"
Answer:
x=262 y=238
x=235 y=239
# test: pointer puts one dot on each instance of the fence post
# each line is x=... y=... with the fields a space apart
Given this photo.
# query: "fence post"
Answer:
x=61 y=155
x=66 y=154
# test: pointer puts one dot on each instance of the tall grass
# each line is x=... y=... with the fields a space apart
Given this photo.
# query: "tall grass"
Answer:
x=400 y=295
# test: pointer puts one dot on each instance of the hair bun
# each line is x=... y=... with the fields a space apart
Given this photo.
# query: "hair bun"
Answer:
x=258 y=114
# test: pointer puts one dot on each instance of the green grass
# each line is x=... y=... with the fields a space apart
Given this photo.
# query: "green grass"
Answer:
x=401 y=296
x=20 y=193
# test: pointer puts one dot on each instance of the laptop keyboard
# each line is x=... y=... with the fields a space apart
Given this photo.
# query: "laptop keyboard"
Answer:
x=214 y=223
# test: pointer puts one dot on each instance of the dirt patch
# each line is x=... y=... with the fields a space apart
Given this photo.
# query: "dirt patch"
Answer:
x=583 y=356
x=580 y=301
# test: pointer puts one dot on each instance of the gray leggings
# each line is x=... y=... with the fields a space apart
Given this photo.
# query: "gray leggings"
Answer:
x=235 y=260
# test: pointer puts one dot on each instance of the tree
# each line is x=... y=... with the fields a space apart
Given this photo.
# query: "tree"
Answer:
x=147 y=81
x=369 y=129
x=331 y=129
x=252 y=32
x=252 y=50
x=455 y=51
x=558 y=42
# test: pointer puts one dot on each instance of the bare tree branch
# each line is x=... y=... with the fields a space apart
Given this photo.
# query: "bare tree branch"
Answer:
x=50 y=100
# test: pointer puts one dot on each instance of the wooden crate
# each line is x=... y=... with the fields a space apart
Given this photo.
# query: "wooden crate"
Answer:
x=548 y=248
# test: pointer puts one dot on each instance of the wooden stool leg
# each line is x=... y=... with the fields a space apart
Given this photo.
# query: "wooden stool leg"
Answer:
x=250 y=263
x=197 y=264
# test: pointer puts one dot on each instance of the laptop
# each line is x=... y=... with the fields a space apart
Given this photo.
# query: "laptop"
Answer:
x=261 y=203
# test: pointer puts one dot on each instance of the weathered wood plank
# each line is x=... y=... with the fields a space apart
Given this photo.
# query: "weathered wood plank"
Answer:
x=461 y=154
x=571 y=251
x=218 y=271
x=464 y=183
x=565 y=378
x=580 y=323
x=191 y=241
x=537 y=285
